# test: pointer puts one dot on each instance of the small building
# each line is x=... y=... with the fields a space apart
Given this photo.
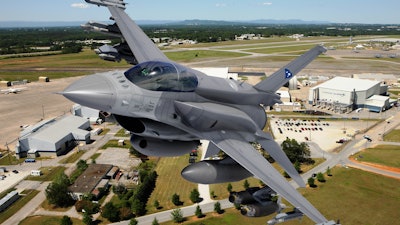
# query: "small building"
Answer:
x=96 y=131
x=285 y=95
x=112 y=174
x=377 y=103
x=95 y=116
x=94 y=180
x=52 y=137
x=8 y=200
x=4 y=83
x=36 y=173
x=44 y=79
x=121 y=142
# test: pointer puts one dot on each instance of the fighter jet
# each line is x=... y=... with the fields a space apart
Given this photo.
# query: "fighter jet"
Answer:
x=169 y=107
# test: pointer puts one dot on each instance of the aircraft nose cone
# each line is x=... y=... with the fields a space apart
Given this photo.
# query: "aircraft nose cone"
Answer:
x=94 y=91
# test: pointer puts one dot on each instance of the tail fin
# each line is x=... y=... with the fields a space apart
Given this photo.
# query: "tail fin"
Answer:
x=283 y=75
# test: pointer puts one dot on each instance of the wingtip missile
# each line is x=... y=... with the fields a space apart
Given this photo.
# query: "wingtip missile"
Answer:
x=117 y=3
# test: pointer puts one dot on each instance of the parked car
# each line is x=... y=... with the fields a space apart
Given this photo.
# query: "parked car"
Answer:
x=30 y=160
x=368 y=138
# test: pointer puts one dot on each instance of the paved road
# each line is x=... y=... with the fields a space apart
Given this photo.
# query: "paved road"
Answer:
x=186 y=211
x=29 y=208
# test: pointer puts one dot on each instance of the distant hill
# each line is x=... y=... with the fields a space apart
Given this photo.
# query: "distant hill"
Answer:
x=253 y=22
x=8 y=24
x=12 y=24
x=291 y=21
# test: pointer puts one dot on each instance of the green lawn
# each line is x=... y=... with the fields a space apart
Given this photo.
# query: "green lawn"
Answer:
x=388 y=155
x=47 y=220
x=351 y=195
x=195 y=55
x=9 y=159
x=220 y=190
x=393 y=135
x=69 y=65
x=48 y=173
x=170 y=181
x=122 y=133
x=114 y=144
x=28 y=195
x=230 y=216
x=85 y=59
x=269 y=50
x=73 y=157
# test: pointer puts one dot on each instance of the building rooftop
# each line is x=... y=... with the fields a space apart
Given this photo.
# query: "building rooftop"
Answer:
x=90 y=178
x=348 y=84
x=54 y=130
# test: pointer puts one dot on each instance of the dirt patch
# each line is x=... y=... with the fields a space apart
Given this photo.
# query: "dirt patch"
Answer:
x=378 y=166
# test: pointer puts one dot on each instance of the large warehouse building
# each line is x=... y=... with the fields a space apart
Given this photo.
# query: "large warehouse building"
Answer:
x=342 y=94
x=53 y=137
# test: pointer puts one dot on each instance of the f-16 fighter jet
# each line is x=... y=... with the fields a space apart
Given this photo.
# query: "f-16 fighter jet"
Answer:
x=169 y=107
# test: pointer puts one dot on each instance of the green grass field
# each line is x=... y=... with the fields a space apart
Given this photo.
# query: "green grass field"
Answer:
x=73 y=157
x=28 y=195
x=170 y=181
x=47 y=220
x=196 y=55
x=387 y=155
x=79 y=64
x=57 y=66
x=48 y=173
x=220 y=190
x=393 y=135
x=268 y=50
x=115 y=144
x=353 y=196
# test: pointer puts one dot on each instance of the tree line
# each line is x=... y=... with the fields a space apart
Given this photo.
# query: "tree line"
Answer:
x=23 y=40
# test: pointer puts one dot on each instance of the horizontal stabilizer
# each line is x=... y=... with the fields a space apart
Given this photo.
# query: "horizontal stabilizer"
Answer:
x=283 y=75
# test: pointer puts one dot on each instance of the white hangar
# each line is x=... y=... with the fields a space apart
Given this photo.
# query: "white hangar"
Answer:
x=52 y=137
x=342 y=94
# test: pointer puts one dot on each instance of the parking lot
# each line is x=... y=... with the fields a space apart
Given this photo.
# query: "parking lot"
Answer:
x=326 y=133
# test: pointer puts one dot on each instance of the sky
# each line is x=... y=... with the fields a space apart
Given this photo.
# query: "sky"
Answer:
x=337 y=11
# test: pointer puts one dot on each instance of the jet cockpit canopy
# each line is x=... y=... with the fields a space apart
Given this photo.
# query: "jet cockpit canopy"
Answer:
x=162 y=76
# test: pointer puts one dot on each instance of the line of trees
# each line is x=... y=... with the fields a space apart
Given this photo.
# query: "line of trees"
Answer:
x=130 y=200
x=21 y=40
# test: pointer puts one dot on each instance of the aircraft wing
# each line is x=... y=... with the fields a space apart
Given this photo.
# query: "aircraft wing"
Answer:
x=243 y=153
x=141 y=46
x=273 y=82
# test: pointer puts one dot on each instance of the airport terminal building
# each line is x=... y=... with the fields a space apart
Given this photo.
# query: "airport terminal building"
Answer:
x=342 y=94
x=52 y=137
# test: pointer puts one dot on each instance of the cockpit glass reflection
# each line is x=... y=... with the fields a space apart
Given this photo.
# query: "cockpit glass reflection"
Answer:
x=162 y=76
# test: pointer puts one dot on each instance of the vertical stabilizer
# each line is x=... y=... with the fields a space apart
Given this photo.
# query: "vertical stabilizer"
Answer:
x=284 y=74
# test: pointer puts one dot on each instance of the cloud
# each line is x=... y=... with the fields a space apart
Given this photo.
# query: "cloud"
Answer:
x=79 y=5
x=221 y=5
x=266 y=3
